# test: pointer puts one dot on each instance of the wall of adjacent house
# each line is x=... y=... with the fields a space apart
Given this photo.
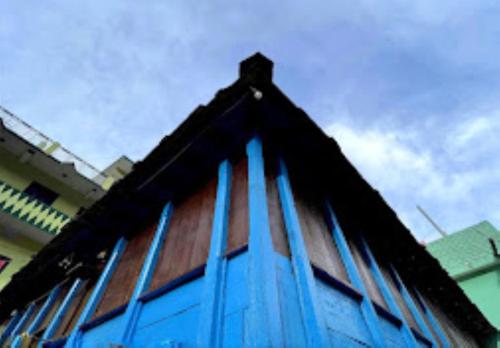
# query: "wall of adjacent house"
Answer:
x=20 y=253
x=21 y=175
x=484 y=290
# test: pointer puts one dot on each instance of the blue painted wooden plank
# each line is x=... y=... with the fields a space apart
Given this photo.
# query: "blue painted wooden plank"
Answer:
x=342 y=314
x=74 y=337
x=315 y=330
x=209 y=330
x=388 y=296
x=27 y=314
x=432 y=319
x=413 y=309
x=291 y=313
x=56 y=320
x=264 y=320
x=367 y=308
x=134 y=306
x=39 y=317
x=10 y=326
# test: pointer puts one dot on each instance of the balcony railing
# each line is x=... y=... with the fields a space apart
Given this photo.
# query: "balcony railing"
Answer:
x=51 y=147
x=30 y=210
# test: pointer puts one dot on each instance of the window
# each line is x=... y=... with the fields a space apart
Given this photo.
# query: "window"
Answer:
x=41 y=193
x=4 y=262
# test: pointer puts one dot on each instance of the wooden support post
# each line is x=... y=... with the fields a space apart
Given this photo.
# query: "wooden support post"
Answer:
x=134 y=306
x=314 y=326
x=212 y=304
x=413 y=309
x=63 y=308
x=10 y=326
x=264 y=320
x=39 y=317
x=367 y=308
x=434 y=322
x=75 y=336
x=388 y=296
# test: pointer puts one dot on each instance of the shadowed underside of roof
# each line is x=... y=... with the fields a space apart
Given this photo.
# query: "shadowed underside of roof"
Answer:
x=189 y=156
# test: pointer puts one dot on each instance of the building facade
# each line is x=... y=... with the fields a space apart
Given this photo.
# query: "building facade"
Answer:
x=244 y=227
x=472 y=257
x=42 y=187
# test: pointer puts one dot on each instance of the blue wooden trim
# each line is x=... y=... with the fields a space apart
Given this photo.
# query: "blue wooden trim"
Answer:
x=74 y=337
x=421 y=337
x=39 y=316
x=27 y=314
x=371 y=317
x=177 y=282
x=413 y=309
x=63 y=308
x=10 y=326
x=264 y=320
x=55 y=344
x=337 y=283
x=236 y=252
x=435 y=324
x=388 y=295
x=134 y=306
x=315 y=329
x=104 y=317
x=209 y=329
x=387 y=315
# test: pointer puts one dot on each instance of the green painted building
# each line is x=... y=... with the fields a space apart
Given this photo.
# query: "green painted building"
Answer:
x=42 y=186
x=472 y=257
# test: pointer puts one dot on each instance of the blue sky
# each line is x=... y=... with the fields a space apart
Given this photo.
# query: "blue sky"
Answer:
x=411 y=91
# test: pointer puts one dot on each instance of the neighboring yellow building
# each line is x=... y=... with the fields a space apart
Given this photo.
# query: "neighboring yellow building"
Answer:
x=42 y=186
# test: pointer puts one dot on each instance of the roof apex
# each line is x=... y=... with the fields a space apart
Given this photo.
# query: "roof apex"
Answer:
x=257 y=68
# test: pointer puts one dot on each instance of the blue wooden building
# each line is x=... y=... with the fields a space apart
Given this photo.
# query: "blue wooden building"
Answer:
x=246 y=226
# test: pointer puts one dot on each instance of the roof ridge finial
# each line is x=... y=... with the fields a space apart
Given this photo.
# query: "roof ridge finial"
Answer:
x=257 y=68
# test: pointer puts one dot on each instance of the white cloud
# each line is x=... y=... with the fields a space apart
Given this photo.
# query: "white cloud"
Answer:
x=393 y=162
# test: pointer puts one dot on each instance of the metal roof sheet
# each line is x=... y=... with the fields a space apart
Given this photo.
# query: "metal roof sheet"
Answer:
x=468 y=249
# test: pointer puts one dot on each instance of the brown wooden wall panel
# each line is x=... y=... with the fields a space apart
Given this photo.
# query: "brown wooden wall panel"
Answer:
x=38 y=306
x=238 y=213
x=420 y=309
x=122 y=282
x=52 y=311
x=69 y=320
x=321 y=247
x=365 y=272
x=399 y=298
x=456 y=337
x=188 y=237
x=277 y=224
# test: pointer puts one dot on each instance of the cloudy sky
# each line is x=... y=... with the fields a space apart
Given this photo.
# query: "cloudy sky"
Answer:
x=411 y=91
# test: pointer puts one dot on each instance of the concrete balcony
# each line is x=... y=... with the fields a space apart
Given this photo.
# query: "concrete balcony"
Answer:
x=30 y=210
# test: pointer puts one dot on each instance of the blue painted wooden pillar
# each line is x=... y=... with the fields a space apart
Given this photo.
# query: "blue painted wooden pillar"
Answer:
x=413 y=309
x=40 y=315
x=10 y=326
x=63 y=308
x=314 y=325
x=435 y=324
x=367 y=308
x=134 y=306
x=264 y=320
x=388 y=296
x=212 y=304
x=27 y=314
x=75 y=336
